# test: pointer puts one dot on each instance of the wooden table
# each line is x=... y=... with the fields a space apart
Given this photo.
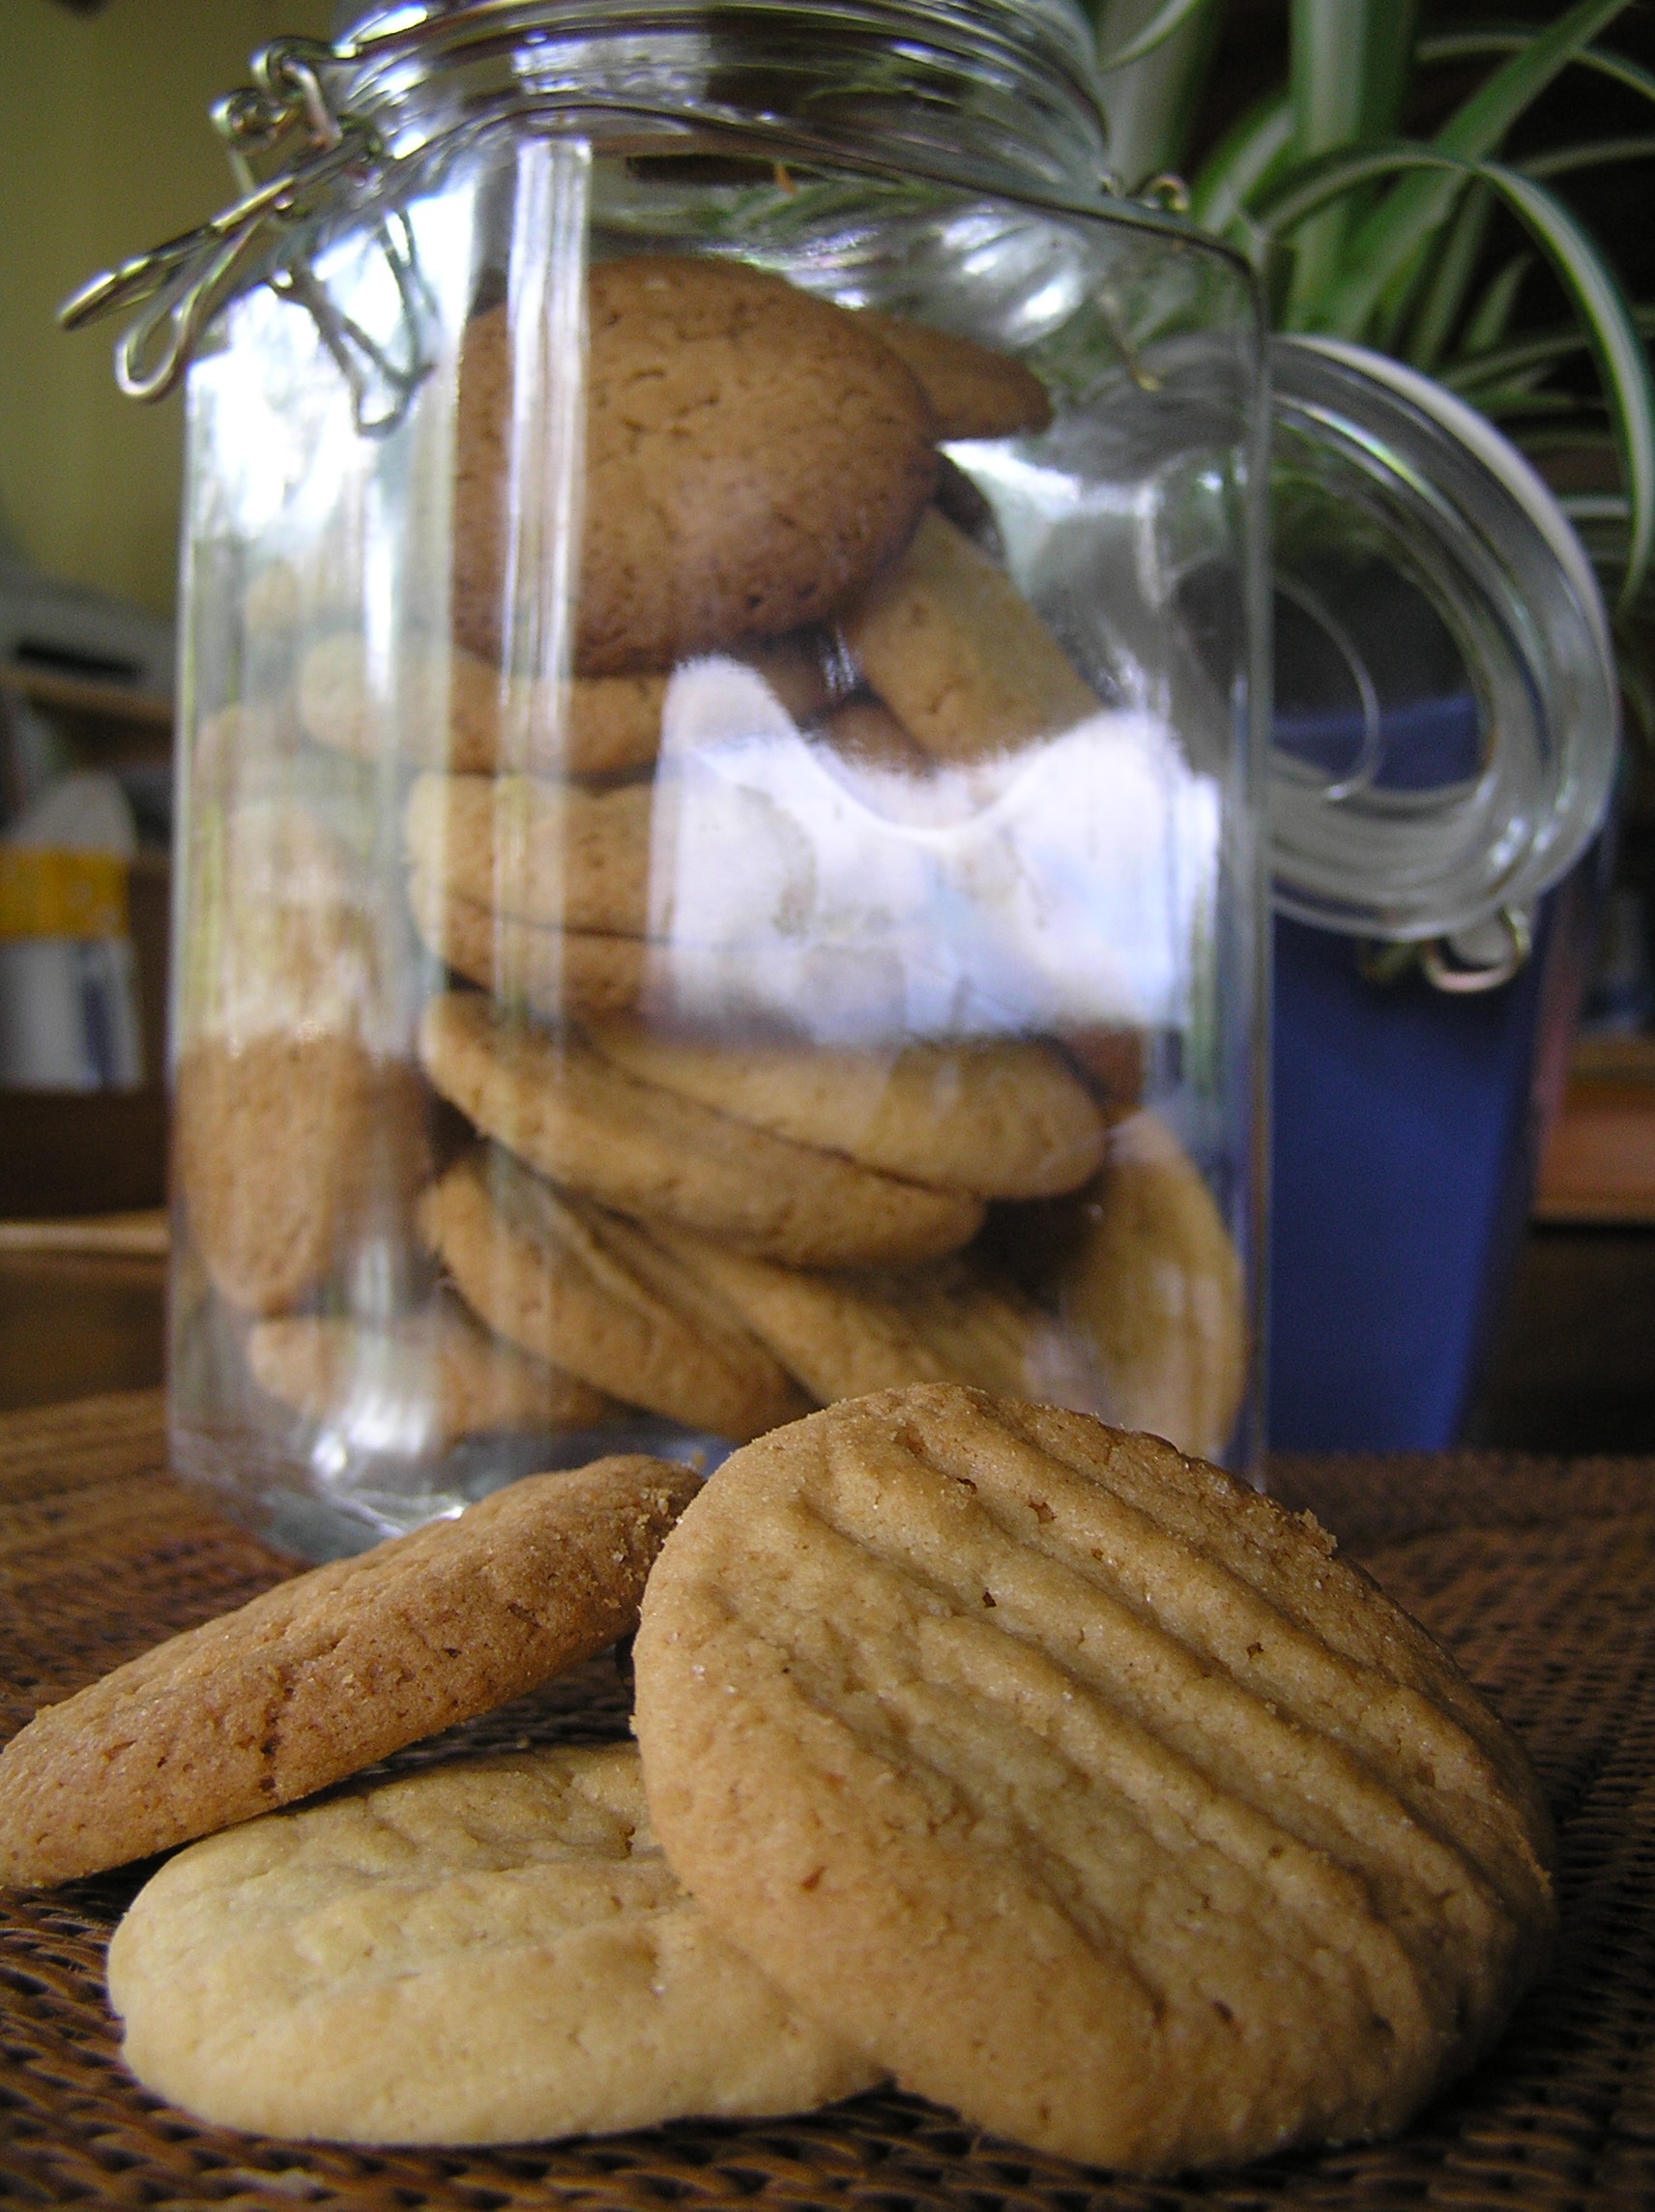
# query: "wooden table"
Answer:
x=1540 y=1575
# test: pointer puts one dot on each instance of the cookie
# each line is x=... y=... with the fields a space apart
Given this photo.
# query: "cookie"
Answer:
x=1155 y=1292
x=611 y=862
x=990 y=1332
x=578 y=973
x=446 y=708
x=836 y=1334
x=549 y=854
x=1002 y=1119
x=754 y=457
x=431 y=1377
x=1083 y=1787
x=493 y=1950
x=973 y=391
x=843 y=1335
x=283 y=1149
x=573 y=1284
x=295 y=1117
x=583 y=1122
x=959 y=656
x=298 y=940
x=338 y=1668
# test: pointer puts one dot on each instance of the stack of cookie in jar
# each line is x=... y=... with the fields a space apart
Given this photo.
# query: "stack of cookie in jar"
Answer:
x=678 y=1191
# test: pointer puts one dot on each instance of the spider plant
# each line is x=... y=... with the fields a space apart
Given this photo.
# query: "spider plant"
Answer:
x=1363 y=232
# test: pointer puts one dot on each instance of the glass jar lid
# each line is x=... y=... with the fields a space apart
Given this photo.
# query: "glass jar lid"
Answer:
x=1446 y=706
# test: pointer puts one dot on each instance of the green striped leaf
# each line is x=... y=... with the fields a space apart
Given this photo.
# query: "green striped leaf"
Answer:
x=1484 y=45
x=1606 y=317
x=1247 y=161
x=1451 y=280
x=1490 y=317
x=1392 y=236
x=1541 y=352
x=1563 y=160
x=1161 y=26
x=1347 y=70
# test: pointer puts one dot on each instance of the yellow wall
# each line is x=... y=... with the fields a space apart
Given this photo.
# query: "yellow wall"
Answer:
x=104 y=149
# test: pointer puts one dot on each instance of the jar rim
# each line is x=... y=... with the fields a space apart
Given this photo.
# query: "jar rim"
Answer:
x=393 y=53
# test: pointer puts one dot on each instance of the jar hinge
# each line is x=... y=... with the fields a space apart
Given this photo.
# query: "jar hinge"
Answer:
x=182 y=284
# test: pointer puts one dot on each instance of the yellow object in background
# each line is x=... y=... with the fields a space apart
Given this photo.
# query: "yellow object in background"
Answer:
x=45 y=894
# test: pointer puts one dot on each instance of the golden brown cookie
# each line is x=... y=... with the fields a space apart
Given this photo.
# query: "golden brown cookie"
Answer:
x=959 y=656
x=284 y=1147
x=338 y=1668
x=838 y=1335
x=843 y=1335
x=580 y=974
x=1084 y=1787
x=975 y=392
x=585 y=1122
x=435 y=1370
x=867 y=734
x=1156 y=1293
x=493 y=1950
x=1004 y=1120
x=573 y=1284
x=754 y=457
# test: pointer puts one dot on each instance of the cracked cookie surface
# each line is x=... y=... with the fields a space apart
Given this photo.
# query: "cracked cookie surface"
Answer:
x=754 y=455
x=325 y=1673
x=1084 y=1787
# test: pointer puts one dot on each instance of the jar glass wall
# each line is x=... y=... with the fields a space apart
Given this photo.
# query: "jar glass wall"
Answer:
x=719 y=833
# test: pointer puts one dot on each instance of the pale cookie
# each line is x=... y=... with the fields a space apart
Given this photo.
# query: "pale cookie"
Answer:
x=754 y=457
x=1004 y=1119
x=549 y=854
x=1081 y=1786
x=442 y=706
x=581 y=1121
x=1156 y=1294
x=580 y=974
x=283 y=1149
x=959 y=656
x=338 y=1668
x=491 y=1951
x=590 y=975
x=612 y=862
x=573 y=1284
x=429 y=1377
x=975 y=392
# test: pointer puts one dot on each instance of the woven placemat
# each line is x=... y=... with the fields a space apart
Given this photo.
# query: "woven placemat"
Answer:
x=1541 y=1577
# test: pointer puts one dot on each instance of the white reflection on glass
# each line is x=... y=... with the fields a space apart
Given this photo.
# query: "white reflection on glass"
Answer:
x=279 y=429
x=383 y=1404
x=1069 y=882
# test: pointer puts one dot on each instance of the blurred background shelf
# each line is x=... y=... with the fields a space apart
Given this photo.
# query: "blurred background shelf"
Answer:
x=1599 y=1165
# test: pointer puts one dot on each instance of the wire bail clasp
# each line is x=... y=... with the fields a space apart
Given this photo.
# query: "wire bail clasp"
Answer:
x=181 y=285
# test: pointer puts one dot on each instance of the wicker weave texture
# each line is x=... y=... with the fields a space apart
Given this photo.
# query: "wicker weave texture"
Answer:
x=1548 y=1598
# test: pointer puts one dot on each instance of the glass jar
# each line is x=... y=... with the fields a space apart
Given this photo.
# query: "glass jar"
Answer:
x=719 y=828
